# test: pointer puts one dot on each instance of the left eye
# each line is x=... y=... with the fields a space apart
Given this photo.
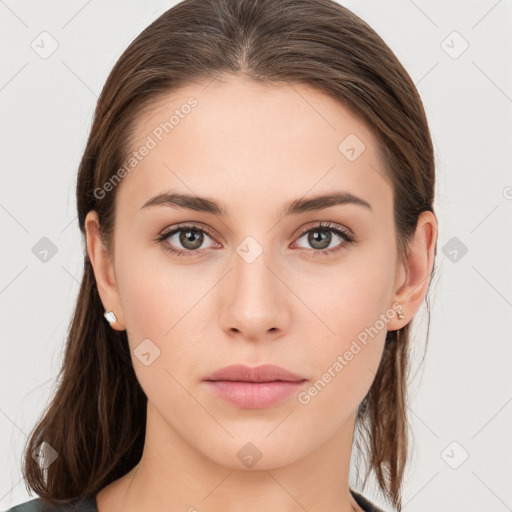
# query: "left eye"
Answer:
x=320 y=238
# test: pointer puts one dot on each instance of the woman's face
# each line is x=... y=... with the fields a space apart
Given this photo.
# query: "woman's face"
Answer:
x=259 y=283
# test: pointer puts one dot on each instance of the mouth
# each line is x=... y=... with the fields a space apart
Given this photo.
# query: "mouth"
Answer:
x=254 y=387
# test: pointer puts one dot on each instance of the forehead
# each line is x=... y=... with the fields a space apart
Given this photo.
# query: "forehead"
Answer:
x=234 y=138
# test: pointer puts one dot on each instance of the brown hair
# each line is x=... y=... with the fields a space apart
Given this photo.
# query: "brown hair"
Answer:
x=96 y=419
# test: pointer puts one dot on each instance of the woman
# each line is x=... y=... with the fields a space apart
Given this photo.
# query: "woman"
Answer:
x=256 y=197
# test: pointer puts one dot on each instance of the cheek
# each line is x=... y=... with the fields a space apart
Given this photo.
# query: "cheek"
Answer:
x=146 y=303
x=344 y=365
x=164 y=311
x=155 y=314
x=151 y=294
x=348 y=299
x=346 y=341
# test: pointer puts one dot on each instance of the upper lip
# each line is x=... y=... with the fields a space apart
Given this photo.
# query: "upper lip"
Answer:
x=262 y=373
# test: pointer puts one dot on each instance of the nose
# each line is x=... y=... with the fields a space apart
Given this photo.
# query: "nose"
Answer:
x=255 y=301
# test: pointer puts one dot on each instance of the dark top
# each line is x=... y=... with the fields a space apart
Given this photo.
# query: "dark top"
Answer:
x=89 y=505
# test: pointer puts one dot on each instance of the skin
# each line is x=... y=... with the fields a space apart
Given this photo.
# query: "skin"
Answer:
x=253 y=148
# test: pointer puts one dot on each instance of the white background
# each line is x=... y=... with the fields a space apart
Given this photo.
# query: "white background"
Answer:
x=462 y=392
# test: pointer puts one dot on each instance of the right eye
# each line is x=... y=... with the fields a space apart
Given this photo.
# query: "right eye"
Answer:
x=187 y=240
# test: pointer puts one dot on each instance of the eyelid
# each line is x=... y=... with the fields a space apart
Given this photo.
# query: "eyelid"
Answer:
x=187 y=225
x=327 y=226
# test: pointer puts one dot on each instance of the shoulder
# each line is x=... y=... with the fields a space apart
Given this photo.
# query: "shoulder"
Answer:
x=365 y=503
x=38 y=505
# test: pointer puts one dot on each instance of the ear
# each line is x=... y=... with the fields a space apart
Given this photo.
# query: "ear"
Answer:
x=414 y=272
x=103 y=266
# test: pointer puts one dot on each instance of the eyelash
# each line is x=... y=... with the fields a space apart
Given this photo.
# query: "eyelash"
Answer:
x=322 y=226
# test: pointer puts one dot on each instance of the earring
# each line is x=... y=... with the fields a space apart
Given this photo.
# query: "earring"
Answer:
x=111 y=317
x=400 y=313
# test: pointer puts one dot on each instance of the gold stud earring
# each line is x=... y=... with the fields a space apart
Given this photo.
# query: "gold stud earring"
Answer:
x=110 y=317
x=400 y=313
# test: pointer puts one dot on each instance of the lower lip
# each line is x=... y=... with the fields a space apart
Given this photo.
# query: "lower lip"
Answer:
x=254 y=395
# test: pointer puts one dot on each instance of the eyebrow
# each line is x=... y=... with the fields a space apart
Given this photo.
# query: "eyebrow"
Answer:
x=295 y=207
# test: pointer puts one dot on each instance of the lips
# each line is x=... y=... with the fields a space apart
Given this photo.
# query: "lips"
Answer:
x=254 y=388
x=262 y=373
